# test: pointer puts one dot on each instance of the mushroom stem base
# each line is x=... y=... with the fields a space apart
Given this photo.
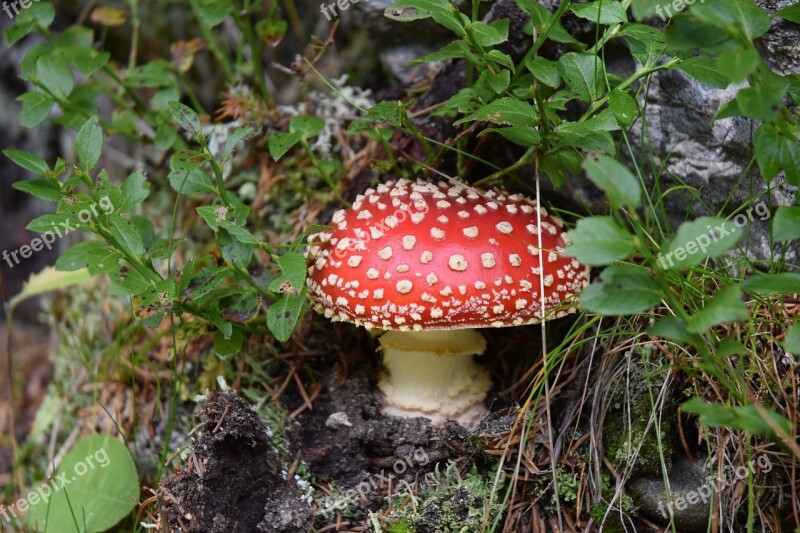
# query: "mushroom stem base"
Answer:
x=433 y=374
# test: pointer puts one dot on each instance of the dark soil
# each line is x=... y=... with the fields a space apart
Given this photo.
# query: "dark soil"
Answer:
x=233 y=480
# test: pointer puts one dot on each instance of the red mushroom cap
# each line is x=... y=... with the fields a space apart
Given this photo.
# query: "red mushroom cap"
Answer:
x=428 y=256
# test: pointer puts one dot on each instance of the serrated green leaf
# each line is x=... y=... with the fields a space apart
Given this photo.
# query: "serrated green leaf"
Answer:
x=28 y=161
x=726 y=306
x=606 y=12
x=623 y=106
x=36 y=108
x=135 y=190
x=506 y=111
x=697 y=240
x=191 y=182
x=522 y=135
x=185 y=117
x=705 y=70
x=126 y=235
x=14 y=34
x=282 y=142
x=47 y=223
x=585 y=137
x=492 y=34
x=55 y=75
x=293 y=265
x=777 y=149
x=89 y=144
x=614 y=178
x=582 y=72
x=283 y=315
x=78 y=255
x=786 y=223
x=738 y=63
x=762 y=100
x=598 y=241
x=187 y=160
x=624 y=290
x=544 y=70
x=782 y=283
x=40 y=188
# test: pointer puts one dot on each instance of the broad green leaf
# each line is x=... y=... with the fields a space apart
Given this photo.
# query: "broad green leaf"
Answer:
x=544 y=70
x=239 y=134
x=40 y=188
x=744 y=418
x=213 y=12
x=623 y=106
x=522 y=135
x=673 y=328
x=225 y=347
x=777 y=149
x=782 y=283
x=14 y=34
x=786 y=224
x=488 y=35
x=442 y=11
x=763 y=99
x=187 y=160
x=391 y=112
x=78 y=255
x=790 y=13
x=52 y=222
x=598 y=241
x=792 y=340
x=293 y=265
x=191 y=182
x=506 y=111
x=614 y=178
x=100 y=488
x=498 y=82
x=606 y=12
x=126 y=235
x=706 y=71
x=36 y=108
x=738 y=63
x=686 y=33
x=28 y=161
x=645 y=43
x=585 y=136
x=623 y=290
x=185 y=117
x=726 y=306
x=135 y=190
x=697 y=240
x=282 y=316
x=281 y=142
x=89 y=144
x=729 y=346
x=582 y=73
x=54 y=73
x=737 y=17
x=306 y=125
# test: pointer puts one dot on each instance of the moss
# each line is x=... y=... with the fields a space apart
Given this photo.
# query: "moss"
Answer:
x=626 y=422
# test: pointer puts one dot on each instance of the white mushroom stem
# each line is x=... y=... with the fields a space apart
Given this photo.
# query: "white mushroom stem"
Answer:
x=433 y=374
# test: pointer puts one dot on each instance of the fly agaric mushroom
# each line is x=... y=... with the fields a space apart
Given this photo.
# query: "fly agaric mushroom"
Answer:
x=428 y=262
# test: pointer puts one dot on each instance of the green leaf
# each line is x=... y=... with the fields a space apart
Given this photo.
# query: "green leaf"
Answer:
x=506 y=111
x=16 y=33
x=47 y=223
x=686 y=33
x=598 y=241
x=391 y=112
x=544 y=70
x=280 y=143
x=645 y=43
x=36 y=108
x=283 y=315
x=792 y=340
x=705 y=70
x=673 y=328
x=738 y=63
x=585 y=137
x=239 y=134
x=697 y=240
x=185 y=117
x=40 y=188
x=790 y=13
x=624 y=290
x=191 y=182
x=786 y=224
x=498 y=82
x=522 y=135
x=441 y=11
x=293 y=265
x=603 y=11
x=28 y=161
x=105 y=260
x=744 y=418
x=78 y=255
x=187 y=160
x=488 y=35
x=126 y=235
x=581 y=72
x=54 y=73
x=777 y=149
x=763 y=99
x=782 y=283
x=89 y=144
x=100 y=488
x=226 y=347
x=737 y=17
x=728 y=347
x=306 y=125
x=614 y=178
x=623 y=106
x=213 y=12
x=726 y=306
x=135 y=190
